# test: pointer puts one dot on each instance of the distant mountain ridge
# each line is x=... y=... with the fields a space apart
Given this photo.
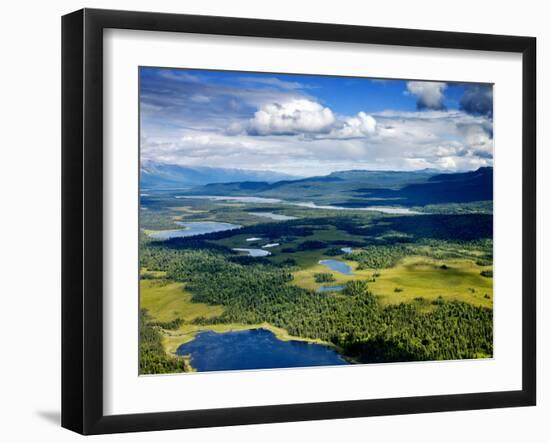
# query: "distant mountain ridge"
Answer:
x=319 y=188
x=357 y=188
x=155 y=175
x=461 y=187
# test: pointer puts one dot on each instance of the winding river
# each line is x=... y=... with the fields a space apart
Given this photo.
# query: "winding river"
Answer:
x=311 y=205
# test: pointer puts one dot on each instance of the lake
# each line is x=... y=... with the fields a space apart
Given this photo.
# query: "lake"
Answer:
x=337 y=266
x=273 y=216
x=252 y=252
x=254 y=349
x=192 y=229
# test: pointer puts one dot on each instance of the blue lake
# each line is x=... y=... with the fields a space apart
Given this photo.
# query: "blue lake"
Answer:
x=193 y=228
x=337 y=266
x=254 y=349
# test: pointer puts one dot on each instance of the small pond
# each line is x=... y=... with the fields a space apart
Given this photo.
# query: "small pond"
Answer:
x=252 y=252
x=337 y=266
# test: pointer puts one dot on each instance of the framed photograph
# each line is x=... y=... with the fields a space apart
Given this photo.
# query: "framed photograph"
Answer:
x=269 y=221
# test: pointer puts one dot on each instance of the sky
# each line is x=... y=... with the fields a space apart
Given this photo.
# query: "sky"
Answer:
x=306 y=125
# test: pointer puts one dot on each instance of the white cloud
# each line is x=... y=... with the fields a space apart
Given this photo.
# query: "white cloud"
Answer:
x=429 y=95
x=476 y=137
x=452 y=140
x=306 y=117
x=361 y=125
x=296 y=116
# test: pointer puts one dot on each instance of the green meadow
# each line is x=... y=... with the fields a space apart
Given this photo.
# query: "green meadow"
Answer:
x=166 y=301
x=414 y=277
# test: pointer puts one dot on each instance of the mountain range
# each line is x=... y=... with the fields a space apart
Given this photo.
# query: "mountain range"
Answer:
x=156 y=175
x=357 y=188
x=352 y=188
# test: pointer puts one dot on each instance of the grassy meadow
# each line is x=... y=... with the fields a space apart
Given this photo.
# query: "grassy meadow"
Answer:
x=414 y=277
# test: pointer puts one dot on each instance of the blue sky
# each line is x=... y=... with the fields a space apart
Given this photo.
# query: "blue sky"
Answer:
x=309 y=124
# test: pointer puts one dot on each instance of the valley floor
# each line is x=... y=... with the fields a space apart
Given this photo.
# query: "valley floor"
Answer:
x=419 y=287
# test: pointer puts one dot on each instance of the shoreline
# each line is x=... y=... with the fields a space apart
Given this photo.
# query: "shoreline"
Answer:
x=176 y=340
x=172 y=340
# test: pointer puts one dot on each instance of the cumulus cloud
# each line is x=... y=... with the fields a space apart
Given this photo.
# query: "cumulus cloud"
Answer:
x=361 y=125
x=478 y=138
x=478 y=100
x=429 y=95
x=309 y=118
x=297 y=116
x=441 y=139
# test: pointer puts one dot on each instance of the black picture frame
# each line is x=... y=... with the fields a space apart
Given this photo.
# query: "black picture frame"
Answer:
x=82 y=218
